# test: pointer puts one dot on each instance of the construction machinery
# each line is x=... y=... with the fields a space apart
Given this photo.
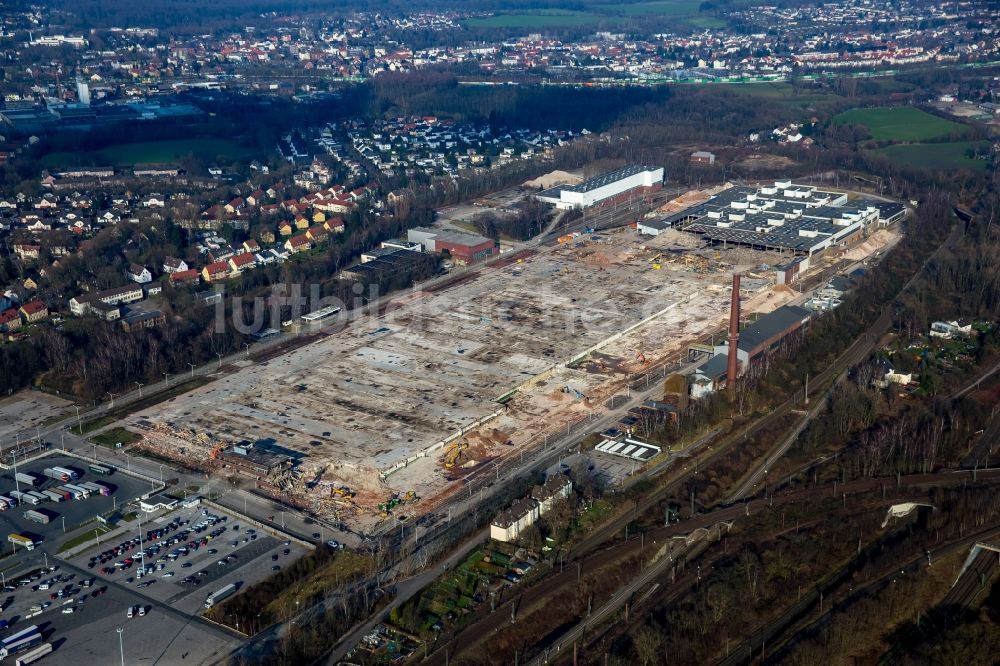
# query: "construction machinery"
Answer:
x=216 y=450
x=344 y=492
x=454 y=452
x=639 y=356
x=576 y=394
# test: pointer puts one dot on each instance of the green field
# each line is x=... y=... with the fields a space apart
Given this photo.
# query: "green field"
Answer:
x=658 y=7
x=934 y=155
x=548 y=19
x=150 y=152
x=899 y=124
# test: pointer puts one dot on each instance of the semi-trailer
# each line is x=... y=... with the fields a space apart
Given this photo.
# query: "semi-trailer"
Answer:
x=103 y=470
x=17 y=495
x=30 y=479
x=53 y=495
x=34 y=655
x=67 y=495
x=21 y=641
x=30 y=499
x=37 y=517
x=73 y=476
x=218 y=596
x=94 y=488
x=57 y=474
x=40 y=496
x=78 y=492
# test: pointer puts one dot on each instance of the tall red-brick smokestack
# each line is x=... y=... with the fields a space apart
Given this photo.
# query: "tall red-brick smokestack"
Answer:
x=734 y=334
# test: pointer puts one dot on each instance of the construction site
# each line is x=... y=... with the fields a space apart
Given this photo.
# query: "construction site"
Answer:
x=397 y=408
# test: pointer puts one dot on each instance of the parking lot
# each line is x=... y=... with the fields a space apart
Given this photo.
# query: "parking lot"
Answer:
x=189 y=565
x=125 y=489
x=88 y=632
x=169 y=631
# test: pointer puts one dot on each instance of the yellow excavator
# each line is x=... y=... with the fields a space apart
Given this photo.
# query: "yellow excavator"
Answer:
x=454 y=453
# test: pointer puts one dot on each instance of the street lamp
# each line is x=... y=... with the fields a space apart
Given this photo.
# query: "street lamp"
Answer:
x=112 y=399
x=219 y=354
x=121 y=645
x=166 y=379
x=79 y=426
x=140 y=389
x=247 y=346
x=192 y=369
x=161 y=474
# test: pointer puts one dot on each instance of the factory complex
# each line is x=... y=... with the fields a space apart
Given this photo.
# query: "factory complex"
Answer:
x=606 y=188
x=788 y=217
x=437 y=384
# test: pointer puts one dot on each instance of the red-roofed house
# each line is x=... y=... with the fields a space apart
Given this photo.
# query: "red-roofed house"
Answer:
x=317 y=234
x=185 y=277
x=334 y=225
x=298 y=244
x=216 y=271
x=34 y=311
x=10 y=320
x=241 y=262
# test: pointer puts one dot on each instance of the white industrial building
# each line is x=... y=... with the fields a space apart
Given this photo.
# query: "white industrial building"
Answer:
x=602 y=188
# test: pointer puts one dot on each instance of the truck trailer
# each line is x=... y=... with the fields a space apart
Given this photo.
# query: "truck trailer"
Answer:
x=53 y=495
x=218 y=596
x=55 y=473
x=21 y=641
x=34 y=655
x=30 y=479
x=37 y=517
x=73 y=476
x=40 y=496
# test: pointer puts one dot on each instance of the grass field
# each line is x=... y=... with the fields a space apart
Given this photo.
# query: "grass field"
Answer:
x=899 y=124
x=934 y=155
x=548 y=19
x=783 y=93
x=149 y=152
x=658 y=7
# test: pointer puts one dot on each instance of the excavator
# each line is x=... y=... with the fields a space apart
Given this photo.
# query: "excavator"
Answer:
x=639 y=356
x=576 y=394
x=454 y=453
x=216 y=450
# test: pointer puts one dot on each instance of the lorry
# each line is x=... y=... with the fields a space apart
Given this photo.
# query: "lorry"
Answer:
x=67 y=495
x=78 y=491
x=219 y=595
x=102 y=470
x=57 y=474
x=37 y=517
x=73 y=476
x=20 y=641
x=17 y=496
x=30 y=479
x=94 y=488
x=30 y=499
x=23 y=541
x=53 y=495
x=40 y=496
x=34 y=655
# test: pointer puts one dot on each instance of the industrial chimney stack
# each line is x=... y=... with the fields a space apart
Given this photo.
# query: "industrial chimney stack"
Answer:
x=734 y=335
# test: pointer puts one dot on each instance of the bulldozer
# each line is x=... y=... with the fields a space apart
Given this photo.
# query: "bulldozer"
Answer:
x=639 y=356
x=343 y=491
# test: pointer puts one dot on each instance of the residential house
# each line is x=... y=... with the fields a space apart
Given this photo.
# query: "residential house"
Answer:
x=317 y=234
x=139 y=274
x=33 y=311
x=285 y=228
x=27 y=251
x=235 y=205
x=191 y=276
x=242 y=262
x=298 y=243
x=334 y=225
x=218 y=270
x=10 y=321
x=140 y=320
x=301 y=222
x=256 y=198
x=251 y=246
x=174 y=265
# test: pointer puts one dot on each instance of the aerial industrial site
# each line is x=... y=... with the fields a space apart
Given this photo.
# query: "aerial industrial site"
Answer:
x=493 y=360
